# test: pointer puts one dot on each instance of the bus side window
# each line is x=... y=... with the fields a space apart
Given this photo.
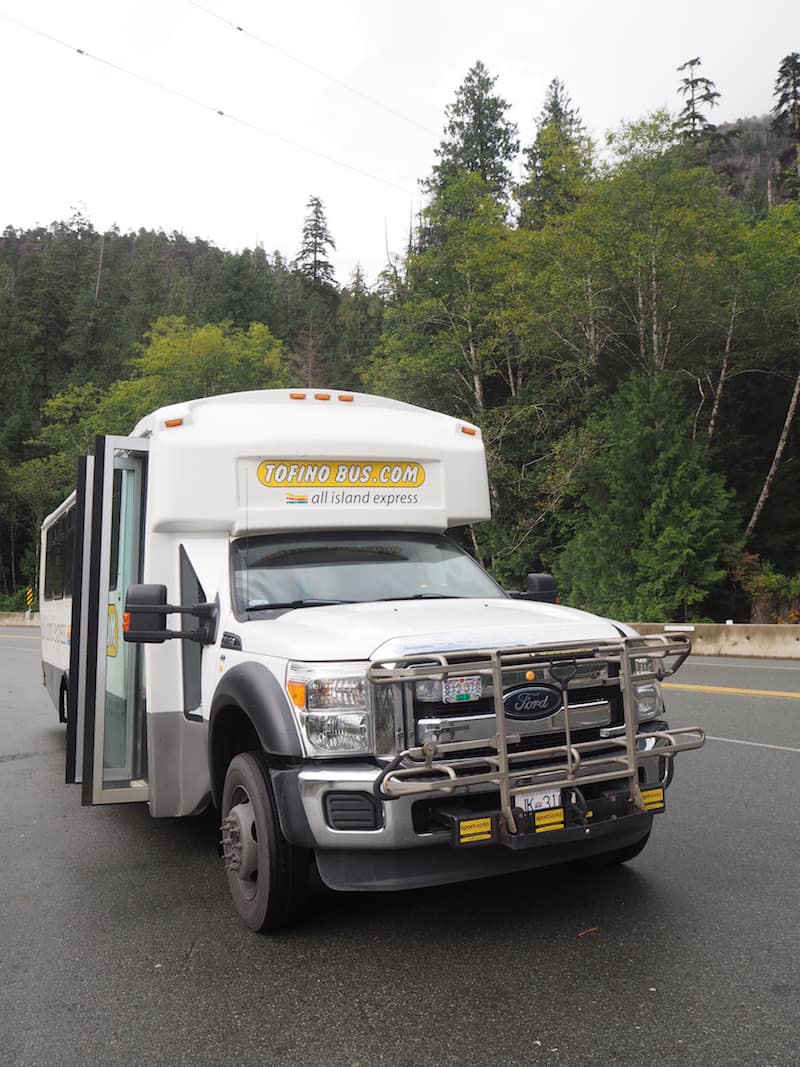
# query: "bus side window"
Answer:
x=54 y=561
x=69 y=550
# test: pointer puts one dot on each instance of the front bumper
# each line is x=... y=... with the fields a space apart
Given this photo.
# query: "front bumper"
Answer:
x=396 y=822
x=446 y=810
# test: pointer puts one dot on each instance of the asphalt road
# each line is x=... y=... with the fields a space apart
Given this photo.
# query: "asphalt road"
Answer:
x=118 y=944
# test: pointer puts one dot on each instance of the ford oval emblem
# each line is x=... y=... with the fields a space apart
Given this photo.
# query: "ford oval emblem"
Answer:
x=532 y=702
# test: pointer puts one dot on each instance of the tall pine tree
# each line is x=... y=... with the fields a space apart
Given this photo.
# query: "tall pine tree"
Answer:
x=479 y=139
x=698 y=91
x=559 y=162
x=311 y=259
x=786 y=120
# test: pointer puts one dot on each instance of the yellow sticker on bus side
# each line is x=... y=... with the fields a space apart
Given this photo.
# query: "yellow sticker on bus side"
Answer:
x=315 y=474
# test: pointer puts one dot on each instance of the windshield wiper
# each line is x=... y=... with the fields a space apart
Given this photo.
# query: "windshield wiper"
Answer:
x=266 y=605
x=420 y=596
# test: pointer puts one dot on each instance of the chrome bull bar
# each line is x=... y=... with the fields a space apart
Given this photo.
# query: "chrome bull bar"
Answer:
x=446 y=767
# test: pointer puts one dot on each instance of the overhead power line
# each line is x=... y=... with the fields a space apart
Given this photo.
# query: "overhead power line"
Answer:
x=309 y=66
x=205 y=106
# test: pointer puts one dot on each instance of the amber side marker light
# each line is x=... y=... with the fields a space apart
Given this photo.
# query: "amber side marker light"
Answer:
x=126 y=622
x=297 y=692
x=297 y=396
x=171 y=423
x=322 y=396
x=469 y=430
x=346 y=398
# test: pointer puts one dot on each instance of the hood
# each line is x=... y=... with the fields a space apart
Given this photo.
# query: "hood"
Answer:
x=386 y=630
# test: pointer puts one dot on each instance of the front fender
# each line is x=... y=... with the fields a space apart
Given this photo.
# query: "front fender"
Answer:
x=260 y=699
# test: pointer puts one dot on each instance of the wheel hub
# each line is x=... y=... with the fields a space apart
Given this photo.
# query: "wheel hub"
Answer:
x=238 y=839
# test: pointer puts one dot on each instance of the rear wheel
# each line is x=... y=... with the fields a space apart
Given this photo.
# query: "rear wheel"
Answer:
x=63 y=704
x=267 y=876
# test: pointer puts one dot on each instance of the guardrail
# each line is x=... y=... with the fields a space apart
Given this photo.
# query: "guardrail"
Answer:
x=770 y=641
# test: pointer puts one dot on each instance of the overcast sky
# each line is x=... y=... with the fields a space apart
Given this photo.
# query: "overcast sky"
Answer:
x=80 y=134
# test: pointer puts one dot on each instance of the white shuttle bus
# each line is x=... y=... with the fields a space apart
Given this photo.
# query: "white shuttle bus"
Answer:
x=268 y=615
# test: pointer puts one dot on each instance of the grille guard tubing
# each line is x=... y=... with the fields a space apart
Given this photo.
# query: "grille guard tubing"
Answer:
x=443 y=768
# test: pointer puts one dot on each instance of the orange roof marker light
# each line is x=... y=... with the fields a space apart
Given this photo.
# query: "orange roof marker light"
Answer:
x=171 y=423
x=297 y=396
x=346 y=398
x=322 y=396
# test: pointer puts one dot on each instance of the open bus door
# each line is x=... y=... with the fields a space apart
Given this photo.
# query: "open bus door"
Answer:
x=106 y=732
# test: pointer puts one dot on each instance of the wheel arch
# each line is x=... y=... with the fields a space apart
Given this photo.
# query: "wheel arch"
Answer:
x=249 y=711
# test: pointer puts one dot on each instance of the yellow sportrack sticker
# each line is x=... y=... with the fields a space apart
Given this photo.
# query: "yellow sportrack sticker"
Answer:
x=311 y=474
x=549 y=819
x=653 y=799
x=475 y=830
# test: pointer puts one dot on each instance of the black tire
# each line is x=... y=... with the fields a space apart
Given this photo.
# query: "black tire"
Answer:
x=63 y=704
x=267 y=876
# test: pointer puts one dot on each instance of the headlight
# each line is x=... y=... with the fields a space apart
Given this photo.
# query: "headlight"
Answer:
x=330 y=700
x=649 y=704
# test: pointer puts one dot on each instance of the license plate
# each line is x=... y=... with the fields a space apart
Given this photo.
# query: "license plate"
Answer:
x=529 y=800
x=458 y=690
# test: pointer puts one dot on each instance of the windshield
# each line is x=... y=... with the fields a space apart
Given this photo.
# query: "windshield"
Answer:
x=312 y=569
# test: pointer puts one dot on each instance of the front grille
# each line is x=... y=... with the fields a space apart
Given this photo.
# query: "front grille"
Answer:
x=592 y=707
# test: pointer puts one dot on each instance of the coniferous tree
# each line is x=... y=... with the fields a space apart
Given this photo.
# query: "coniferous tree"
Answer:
x=558 y=162
x=479 y=139
x=358 y=327
x=786 y=120
x=698 y=91
x=311 y=258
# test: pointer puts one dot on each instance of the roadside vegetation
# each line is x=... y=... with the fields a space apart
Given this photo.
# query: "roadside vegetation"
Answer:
x=622 y=320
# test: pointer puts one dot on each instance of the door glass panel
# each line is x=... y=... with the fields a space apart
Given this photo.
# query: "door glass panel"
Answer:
x=124 y=756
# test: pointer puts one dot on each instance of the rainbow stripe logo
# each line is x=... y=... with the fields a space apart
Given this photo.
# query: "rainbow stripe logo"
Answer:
x=293 y=498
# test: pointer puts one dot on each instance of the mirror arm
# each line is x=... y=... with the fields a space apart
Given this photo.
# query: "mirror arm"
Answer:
x=203 y=635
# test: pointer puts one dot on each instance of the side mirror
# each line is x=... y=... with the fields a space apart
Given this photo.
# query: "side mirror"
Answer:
x=145 y=618
x=540 y=587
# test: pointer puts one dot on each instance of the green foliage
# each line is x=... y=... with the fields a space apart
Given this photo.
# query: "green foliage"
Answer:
x=559 y=162
x=697 y=91
x=775 y=597
x=479 y=139
x=630 y=350
x=15 y=601
x=358 y=326
x=316 y=242
x=178 y=362
x=651 y=528
x=786 y=120
x=440 y=347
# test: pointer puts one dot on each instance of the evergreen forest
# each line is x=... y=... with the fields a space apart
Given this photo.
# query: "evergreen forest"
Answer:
x=621 y=319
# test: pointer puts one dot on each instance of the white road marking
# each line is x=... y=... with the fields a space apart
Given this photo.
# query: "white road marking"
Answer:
x=752 y=744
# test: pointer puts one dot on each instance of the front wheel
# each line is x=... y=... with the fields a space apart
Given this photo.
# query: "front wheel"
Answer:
x=267 y=876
